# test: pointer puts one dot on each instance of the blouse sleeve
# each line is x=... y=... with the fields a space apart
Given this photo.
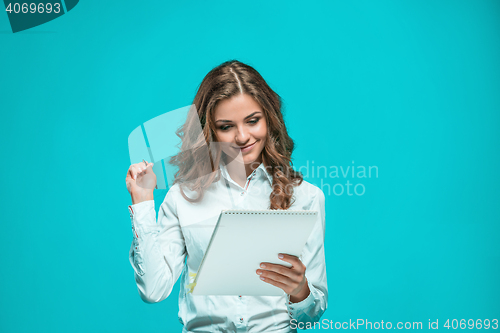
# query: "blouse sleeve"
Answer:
x=158 y=250
x=313 y=257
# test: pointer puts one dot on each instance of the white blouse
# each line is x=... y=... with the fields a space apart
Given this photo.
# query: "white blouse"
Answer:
x=161 y=251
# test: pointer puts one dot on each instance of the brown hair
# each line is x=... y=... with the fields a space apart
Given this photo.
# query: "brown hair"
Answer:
x=199 y=157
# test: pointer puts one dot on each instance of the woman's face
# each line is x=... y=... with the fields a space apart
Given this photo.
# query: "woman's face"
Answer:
x=241 y=126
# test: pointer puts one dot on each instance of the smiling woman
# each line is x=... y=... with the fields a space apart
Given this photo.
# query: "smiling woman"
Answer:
x=237 y=108
x=244 y=129
x=248 y=166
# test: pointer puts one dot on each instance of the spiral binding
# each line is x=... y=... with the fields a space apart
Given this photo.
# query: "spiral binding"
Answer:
x=269 y=212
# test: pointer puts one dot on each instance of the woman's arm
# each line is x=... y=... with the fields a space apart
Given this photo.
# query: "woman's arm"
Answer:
x=158 y=250
x=313 y=257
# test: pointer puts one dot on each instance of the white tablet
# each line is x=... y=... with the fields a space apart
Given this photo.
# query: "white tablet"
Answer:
x=241 y=240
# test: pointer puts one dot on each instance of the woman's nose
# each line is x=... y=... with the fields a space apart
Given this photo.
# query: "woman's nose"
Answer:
x=242 y=135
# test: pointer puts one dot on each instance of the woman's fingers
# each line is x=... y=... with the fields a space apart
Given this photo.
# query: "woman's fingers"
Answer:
x=279 y=269
x=141 y=180
x=147 y=169
x=286 y=275
x=297 y=264
x=280 y=285
x=276 y=276
x=135 y=171
x=287 y=278
x=138 y=170
x=130 y=173
x=141 y=169
x=286 y=283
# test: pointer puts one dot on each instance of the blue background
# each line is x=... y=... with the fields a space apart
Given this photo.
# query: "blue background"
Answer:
x=410 y=87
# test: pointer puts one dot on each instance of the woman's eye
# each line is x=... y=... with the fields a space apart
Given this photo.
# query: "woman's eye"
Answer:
x=224 y=127
x=253 y=121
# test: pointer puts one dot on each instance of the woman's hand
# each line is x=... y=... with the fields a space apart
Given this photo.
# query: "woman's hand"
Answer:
x=292 y=280
x=141 y=181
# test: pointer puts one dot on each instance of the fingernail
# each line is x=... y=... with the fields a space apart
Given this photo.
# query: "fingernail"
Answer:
x=259 y=272
x=262 y=266
x=262 y=278
x=280 y=256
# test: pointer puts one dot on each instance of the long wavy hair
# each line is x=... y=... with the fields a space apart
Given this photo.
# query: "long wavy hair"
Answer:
x=199 y=157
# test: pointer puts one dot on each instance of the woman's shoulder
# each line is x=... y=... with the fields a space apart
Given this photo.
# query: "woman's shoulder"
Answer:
x=308 y=192
x=172 y=191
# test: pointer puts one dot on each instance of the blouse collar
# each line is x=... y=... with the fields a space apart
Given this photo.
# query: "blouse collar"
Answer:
x=260 y=170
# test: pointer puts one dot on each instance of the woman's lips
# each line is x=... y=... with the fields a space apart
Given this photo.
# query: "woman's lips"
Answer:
x=247 y=148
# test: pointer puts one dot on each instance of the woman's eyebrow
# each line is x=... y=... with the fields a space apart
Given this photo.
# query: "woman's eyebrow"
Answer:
x=229 y=121
x=252 y=114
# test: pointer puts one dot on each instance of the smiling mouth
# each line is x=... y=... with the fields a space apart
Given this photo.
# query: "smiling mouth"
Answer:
x=247 y=146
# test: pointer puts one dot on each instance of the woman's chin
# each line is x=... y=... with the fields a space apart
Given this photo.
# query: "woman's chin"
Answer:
x=231 y=156
x=251 y=159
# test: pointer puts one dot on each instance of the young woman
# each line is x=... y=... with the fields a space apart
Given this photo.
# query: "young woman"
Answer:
x=240 y=158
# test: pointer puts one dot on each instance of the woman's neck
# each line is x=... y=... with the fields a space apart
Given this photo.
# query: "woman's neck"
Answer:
x=239 y=172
